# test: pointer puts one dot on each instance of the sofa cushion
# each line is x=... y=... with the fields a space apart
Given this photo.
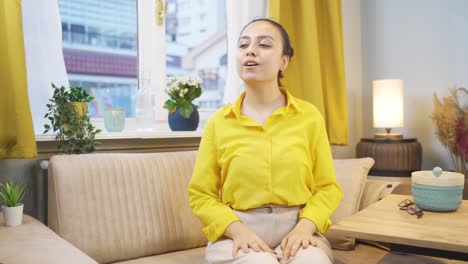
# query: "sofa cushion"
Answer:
x=190 y=256
x=33 y=242
x=118 y=207
x=351 y=175
x=375 y=190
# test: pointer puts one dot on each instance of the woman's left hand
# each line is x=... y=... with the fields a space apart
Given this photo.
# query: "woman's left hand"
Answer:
x=301 y=235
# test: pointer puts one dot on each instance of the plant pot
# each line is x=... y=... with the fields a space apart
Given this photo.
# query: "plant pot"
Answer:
x=13 y=215
x=81 y=108
x=179 y=123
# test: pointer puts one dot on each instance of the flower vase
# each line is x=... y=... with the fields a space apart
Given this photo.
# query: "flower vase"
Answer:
x=178 y=123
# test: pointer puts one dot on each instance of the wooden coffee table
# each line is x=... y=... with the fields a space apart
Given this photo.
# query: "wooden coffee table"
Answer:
x=385 y=222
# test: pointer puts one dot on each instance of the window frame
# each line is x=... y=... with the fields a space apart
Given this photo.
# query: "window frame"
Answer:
x=151 y=56
x=151 y=60
x=151 y=39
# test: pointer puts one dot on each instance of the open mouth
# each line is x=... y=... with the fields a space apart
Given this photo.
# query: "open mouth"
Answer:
x=250 y=64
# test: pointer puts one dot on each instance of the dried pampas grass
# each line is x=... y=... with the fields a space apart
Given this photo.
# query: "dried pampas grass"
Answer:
x=447 y=115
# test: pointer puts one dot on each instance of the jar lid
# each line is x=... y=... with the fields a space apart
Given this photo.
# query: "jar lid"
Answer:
x=447 y=178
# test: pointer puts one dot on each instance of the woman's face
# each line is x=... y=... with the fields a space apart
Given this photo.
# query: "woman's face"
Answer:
x=260 y=53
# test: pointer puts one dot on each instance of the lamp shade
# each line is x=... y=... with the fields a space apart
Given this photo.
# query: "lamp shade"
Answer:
x=388 y=103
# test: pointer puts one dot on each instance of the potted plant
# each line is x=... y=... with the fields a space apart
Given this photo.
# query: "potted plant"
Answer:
x=183 y=114
x=12 y=195
x=70 y=120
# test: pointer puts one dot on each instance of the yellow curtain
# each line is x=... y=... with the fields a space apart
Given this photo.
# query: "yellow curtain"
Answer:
x=316 y=72
x=16 y=128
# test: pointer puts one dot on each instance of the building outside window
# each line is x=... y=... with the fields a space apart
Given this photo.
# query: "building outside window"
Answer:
x=204 y=48
x=101 y=52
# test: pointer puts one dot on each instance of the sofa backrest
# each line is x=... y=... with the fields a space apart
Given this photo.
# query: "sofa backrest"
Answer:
x=116 y=207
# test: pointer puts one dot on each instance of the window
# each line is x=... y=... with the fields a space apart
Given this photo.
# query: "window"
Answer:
x=65 y=32
x=100 y=52
x=196 y=51
x=183 y=5
x=108 y=45
x=184 y=22
x=104 y=53
x=77 y=34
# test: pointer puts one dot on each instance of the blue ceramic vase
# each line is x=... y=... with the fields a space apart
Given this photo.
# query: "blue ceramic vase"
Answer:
x=179 y=123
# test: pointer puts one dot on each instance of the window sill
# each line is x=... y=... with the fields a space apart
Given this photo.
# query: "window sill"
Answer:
x=162 y=139
x=131 y=135
x=129 y=142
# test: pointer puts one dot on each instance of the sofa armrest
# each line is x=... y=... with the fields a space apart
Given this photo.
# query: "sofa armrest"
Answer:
x=377 y=188
x=33 y=242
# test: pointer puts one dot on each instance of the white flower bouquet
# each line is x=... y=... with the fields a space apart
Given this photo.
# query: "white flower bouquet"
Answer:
x=182 y=90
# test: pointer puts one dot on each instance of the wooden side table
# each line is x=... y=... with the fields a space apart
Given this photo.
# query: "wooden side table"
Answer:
x=385 y=222
x=393 y=157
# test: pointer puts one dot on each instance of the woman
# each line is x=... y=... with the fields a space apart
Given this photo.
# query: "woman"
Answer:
x=264 y=185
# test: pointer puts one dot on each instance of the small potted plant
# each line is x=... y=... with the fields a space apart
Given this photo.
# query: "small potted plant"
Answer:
x=183 y=114
x=12 y=194
x=70 y=120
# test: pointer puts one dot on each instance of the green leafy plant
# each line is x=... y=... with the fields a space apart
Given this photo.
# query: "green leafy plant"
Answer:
x=12 y=193
x=69 y=119
x=182 y=90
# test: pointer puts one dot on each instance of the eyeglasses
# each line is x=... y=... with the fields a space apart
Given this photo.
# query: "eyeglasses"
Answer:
x=411 y=208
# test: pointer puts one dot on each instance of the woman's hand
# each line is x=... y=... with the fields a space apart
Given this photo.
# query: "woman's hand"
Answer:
x=301 y=235
x=244 y=238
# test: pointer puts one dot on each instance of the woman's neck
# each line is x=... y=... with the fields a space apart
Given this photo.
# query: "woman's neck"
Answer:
x=264 y=96
x=261 y=101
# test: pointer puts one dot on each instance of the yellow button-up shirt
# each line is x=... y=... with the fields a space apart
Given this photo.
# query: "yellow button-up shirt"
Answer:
x=243 y=165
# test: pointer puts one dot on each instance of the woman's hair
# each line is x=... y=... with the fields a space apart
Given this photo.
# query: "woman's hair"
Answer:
x=287 y=48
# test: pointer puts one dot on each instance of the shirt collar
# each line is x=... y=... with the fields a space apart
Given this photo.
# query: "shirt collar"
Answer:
x=291 y=105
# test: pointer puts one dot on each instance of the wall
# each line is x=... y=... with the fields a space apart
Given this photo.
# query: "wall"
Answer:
x=351 y=13
x=25 y=170
x=205 y=59
x=424 y=43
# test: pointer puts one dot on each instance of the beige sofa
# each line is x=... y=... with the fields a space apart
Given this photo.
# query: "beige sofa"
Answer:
x=133 y=208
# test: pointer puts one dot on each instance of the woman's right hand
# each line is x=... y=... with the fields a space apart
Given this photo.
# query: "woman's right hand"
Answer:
x=244 y=238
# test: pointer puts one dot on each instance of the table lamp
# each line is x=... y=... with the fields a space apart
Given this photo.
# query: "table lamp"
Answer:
x=393 y=154
x=388 y=106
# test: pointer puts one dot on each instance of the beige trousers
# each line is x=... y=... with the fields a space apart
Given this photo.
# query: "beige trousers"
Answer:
x=272 y=224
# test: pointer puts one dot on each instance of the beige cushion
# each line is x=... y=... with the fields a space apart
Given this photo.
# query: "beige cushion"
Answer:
x=190 y=256
x=33 y=242
x=351 y=175
x=117 y=207
x=375 y=190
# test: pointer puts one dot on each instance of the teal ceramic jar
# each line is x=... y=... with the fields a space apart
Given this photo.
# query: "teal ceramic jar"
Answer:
x=437 y=193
